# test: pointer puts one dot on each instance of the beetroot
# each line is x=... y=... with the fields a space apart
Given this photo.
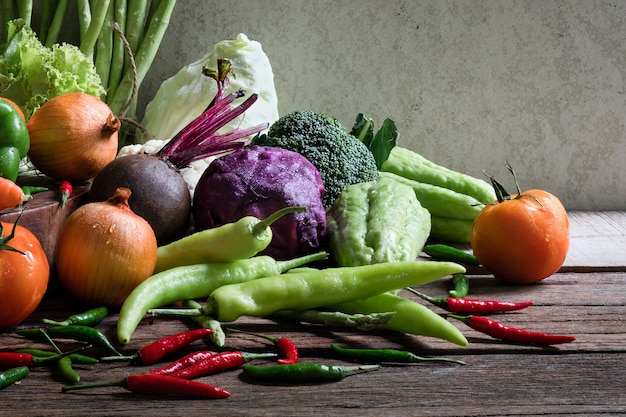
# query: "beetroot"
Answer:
x=257 y=181
x=160 y=194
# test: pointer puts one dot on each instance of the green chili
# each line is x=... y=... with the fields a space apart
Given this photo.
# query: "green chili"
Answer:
x=75 y=357
x=88 y=318
x=75 y=332
x=227 y=243
x=10 y=376
x=196 y=281
x=385 y=355
x=318 y=288
x=461 y=286
x=336 y=318
x=410 y=317
x=442 y=252
x=29 y=190
x=66 y=370
x=303 y=372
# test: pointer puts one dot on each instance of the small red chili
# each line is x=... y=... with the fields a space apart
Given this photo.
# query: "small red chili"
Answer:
x=501 y=331
x=288 y=349
x=65 y=192
x=472 y=306
x=155 y=351
x=183 y=362
x=159 y=385
x=219 y=362
x=15 y=359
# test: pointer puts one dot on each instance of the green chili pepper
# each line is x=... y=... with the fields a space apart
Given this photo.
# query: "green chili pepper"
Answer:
x=227 y=243
x=303 y=372
x=75 y=357
x=335 y=318
x=196 y=281
x=385 y=355
x=218 y=337
x=14 y=140
x=88 y=318
x=10 y=376
x=411 y=165
x=75 y=332
x=441 y=252
x=461 y=286
x=410 y=317
x=29 y=190
x=311 y=289
x=66 y=370
x=377 y=221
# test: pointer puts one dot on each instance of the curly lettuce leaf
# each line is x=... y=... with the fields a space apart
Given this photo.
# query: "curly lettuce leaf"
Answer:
x=31 y=73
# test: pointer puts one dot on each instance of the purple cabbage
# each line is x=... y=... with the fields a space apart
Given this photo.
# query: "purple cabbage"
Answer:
x=258 y=181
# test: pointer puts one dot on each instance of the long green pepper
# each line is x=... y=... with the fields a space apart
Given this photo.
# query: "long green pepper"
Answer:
x=317 y=288
x=410 y=317
x=196 y=281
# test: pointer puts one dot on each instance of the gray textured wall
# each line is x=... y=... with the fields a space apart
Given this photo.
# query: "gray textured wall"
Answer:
x=470 y=84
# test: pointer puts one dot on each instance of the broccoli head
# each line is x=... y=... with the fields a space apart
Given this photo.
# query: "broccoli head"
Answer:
x=340 y=158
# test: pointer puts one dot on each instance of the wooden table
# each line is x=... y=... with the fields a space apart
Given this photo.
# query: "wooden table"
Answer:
x=586 y=299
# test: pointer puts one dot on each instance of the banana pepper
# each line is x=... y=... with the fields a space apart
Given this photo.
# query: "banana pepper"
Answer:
x=14 y=140
x=374 y=222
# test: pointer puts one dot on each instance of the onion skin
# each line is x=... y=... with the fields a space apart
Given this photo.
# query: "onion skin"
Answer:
x=104 y=251
x=73 y=136
x=160 y=194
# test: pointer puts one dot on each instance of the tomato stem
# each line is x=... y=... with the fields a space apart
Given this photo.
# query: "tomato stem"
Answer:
x=5 y=240
x=502 y=194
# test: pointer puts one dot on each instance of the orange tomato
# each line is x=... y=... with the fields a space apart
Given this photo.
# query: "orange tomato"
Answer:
x=523 y=239
x=14 y=104
x=24 y=275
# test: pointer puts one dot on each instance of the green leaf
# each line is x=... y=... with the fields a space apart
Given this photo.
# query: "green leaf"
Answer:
x=384 y=141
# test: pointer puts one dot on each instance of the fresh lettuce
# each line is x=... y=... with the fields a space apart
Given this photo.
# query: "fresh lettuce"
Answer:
x=31 y=73
x=184 y=96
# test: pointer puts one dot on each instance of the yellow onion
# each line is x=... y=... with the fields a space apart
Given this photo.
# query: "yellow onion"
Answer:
x=73 y=136
x=104 y=251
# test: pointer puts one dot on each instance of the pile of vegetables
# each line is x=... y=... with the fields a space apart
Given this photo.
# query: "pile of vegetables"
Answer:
x=295 y=217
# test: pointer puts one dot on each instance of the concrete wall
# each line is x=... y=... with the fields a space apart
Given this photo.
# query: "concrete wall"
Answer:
x=470 y=84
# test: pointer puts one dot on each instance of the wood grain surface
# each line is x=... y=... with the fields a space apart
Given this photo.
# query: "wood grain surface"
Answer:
x=583 y=378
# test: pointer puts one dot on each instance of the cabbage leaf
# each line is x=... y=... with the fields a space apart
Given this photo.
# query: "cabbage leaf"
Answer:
x=184 y=96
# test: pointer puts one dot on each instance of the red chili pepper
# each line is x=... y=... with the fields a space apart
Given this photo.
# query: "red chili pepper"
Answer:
x=155 y=351
x=472 y=306
x=219 y=362
x=501 y=331
x=65 y=192
x=288 y=349
x=159 y=385
x=183 y=362
x=15 y=359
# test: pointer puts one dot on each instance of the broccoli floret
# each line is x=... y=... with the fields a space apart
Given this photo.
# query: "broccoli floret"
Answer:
x=341 y=158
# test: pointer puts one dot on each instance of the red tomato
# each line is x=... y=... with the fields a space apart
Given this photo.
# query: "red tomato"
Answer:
x=23 y=276
x=522 y=240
